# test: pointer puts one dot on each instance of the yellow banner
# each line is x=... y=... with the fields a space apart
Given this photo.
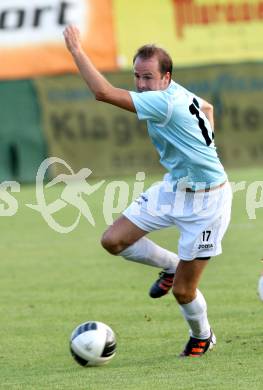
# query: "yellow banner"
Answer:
x=31 y=39
x=193 y=31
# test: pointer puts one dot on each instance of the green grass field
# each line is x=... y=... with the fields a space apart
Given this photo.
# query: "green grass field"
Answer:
x=51 y=282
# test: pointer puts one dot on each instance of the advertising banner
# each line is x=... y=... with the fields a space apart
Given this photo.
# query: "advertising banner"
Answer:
x=194 y=32
x=91 y=134
x=111 y=141
x=31 y=36
x=235 y=92
x=22 y=145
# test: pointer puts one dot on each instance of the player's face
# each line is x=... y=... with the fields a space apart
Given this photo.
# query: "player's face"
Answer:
x=148 y=76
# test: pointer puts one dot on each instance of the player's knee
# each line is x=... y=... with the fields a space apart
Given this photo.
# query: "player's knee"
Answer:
x=111 y=243
x=182 y=294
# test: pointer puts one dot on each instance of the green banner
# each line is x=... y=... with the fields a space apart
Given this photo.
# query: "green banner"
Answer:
x=22 y=145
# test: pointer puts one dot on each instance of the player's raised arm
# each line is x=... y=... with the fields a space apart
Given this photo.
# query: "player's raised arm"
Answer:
x=101 y=88
x=208 y=110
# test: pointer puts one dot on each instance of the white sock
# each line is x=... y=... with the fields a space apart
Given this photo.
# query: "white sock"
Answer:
x=195 y=314
x=147 y=252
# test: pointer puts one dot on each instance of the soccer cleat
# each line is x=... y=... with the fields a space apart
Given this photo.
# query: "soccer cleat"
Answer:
x=196 y=347
x=162 y=285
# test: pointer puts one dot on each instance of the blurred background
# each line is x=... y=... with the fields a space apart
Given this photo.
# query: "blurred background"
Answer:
x=46 y=109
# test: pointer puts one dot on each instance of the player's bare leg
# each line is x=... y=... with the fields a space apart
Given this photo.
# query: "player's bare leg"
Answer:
x=126 y=239
x=187 y=277
x=121 y=234
x=193 y=306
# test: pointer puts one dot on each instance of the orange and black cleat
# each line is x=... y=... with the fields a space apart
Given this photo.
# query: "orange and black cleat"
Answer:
x=162 y=285
x=196 y=347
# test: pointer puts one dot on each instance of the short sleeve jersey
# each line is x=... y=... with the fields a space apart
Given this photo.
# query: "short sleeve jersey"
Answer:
x=182 y=135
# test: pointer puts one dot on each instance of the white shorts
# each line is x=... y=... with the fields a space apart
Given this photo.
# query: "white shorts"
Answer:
x=201 y=217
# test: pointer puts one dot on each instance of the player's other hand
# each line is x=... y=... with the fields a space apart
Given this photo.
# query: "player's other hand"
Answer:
x=72 y=38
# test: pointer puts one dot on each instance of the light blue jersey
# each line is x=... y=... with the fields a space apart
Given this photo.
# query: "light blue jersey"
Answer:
x=182 y=135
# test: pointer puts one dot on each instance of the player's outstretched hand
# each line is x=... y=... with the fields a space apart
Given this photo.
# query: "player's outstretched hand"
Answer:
x=72 y=39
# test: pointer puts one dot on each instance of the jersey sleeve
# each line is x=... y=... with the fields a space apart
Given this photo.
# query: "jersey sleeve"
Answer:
x=150 y=105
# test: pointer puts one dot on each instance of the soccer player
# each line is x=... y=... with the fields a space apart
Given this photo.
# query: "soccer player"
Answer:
x=194 y=196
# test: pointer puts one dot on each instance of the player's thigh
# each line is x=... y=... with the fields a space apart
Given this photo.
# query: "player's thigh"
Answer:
x=121 y=234
x=144 y=215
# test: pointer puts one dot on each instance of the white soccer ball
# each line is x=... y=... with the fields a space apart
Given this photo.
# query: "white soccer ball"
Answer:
x=260 y=287
x=92 y=343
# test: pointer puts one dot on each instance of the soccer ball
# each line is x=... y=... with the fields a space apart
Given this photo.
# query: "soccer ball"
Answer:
x=92 y=343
